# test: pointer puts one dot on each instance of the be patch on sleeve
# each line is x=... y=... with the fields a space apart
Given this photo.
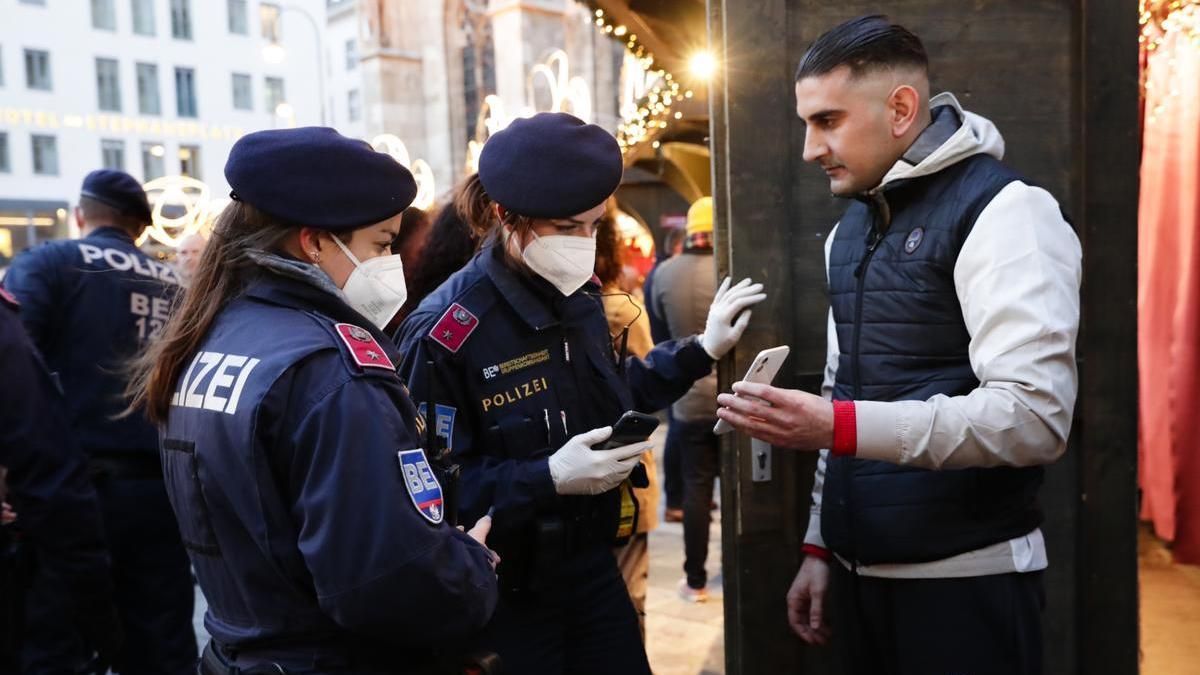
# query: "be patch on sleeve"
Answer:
x=422 y=484
x=456 y=325
x=365 y=351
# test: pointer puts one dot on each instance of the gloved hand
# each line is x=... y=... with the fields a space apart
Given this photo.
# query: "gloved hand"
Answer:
x=720 y=332
x=577 y=469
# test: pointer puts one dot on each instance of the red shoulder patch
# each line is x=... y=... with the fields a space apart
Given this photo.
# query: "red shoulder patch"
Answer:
x=9 y=297
x=456 y=325
x=363 y=347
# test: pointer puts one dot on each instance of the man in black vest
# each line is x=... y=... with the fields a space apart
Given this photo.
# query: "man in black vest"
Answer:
x=950 y=379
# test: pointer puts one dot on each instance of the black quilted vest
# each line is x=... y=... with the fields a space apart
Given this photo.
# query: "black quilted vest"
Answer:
x=902 y=337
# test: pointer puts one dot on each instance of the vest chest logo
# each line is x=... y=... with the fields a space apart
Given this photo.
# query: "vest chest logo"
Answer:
x=519 y=363
x=423 y=487
x=914 y=240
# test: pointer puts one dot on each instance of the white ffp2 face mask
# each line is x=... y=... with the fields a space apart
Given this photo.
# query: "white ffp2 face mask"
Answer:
x=563 y=260
x=376 y=288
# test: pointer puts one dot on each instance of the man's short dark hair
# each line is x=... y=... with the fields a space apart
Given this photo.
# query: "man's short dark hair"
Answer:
x=864 y=44
x=98 y=213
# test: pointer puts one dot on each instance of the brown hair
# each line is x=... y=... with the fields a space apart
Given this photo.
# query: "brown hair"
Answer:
x=477 y=209
x=610 y=259
x=221 y=276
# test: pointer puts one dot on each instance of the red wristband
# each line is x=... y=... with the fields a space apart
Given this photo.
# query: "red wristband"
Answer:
x=815 y=551
x=845 y=428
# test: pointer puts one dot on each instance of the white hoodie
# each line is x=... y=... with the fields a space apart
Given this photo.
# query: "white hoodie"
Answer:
x=1017 y=279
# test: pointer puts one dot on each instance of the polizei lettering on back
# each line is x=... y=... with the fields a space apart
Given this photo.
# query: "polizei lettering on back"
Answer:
x=122 y=262
x=214 y=381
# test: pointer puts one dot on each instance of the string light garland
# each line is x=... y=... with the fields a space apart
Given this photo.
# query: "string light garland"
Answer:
x=1160 y=20
x=642 y=118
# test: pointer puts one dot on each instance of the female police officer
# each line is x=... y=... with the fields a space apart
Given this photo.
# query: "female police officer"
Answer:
x=514 y=356
x=289 y=444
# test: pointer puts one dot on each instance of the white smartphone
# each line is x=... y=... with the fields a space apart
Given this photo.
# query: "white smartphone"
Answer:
x=762 y=370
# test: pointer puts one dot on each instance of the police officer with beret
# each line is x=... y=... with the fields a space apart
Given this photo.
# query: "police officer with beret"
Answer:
x=55 y=507
x=514 y=359
x=291 y=450
x=89 y=305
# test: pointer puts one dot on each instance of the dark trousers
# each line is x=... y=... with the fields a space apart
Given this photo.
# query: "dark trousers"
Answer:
x=988 y=625
x=698 y=446
x=582 y=623
x=672 y=465
x=153 y=589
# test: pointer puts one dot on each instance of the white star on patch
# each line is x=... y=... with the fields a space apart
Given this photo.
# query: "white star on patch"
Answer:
x=373 y=355
x=447 y=335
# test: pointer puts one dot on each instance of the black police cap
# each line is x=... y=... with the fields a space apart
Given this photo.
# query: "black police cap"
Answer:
x=118 y=190
x=316 y=177
x=551 y=165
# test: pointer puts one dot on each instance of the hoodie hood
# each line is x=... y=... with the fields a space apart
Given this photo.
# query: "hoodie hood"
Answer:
x=954 y=135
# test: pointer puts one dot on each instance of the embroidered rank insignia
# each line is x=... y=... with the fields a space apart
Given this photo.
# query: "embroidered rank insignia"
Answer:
x=363 y=347
x=9 y=298
x=422 y=484
x=456 y=325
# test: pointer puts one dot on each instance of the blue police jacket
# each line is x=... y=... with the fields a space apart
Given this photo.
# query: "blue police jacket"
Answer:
x=89 y=304
x=514 y=370
x=310 y=513
x=47 y=475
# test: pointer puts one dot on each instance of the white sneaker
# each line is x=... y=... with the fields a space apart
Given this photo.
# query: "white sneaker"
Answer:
x=689 y=594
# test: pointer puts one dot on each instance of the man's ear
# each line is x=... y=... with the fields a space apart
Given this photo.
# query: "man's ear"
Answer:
x=904 y=109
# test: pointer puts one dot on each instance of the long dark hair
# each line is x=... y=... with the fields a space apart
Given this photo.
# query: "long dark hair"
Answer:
x=224 y=269
x=449 y=246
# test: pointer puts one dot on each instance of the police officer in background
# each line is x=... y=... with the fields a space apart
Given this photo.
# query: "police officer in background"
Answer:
x=514 y=356
x=90 y=305
x=291 y=449
x=55 y=509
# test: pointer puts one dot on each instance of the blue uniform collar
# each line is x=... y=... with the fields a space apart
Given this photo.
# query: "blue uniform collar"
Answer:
x=534 y=299
x=297 y=294
x=110 y=232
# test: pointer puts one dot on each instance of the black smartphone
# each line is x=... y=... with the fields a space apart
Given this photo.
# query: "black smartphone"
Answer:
x=633 y=427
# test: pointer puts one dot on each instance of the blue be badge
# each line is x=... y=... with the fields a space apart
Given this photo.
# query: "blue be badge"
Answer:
x=422 y=485
x=444 y=424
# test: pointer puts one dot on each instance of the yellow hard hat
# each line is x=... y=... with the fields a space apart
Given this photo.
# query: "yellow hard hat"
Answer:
x=699 y=218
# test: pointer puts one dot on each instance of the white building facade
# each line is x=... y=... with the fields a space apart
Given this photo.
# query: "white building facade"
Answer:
x=152 y=87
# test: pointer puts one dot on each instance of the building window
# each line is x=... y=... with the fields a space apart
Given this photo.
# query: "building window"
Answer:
x=152 y=160
x=112 y=154
x=45 y=155
x=108 y=85
x=242 y=97
x=104 y=15
x=181 y=19
x=274 y=90
x=189 y=161
x=238 y=21
x=143 y=17
x=147 y=86
x=269 y=17
x=351 y=53
x=353 y=105
x=37 y=69
x=185 y=92
x=5 y=167
x=478 y=64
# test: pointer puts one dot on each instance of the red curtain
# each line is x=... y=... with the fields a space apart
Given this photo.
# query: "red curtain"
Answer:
x=1169 y=285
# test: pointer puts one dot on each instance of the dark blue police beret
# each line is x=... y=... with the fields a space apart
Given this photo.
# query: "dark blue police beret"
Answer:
x=118 y=190
x=551 y=165
x=316 y=177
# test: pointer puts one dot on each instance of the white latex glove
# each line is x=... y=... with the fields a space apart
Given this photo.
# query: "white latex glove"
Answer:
x=720 y=332
x=577 y=469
